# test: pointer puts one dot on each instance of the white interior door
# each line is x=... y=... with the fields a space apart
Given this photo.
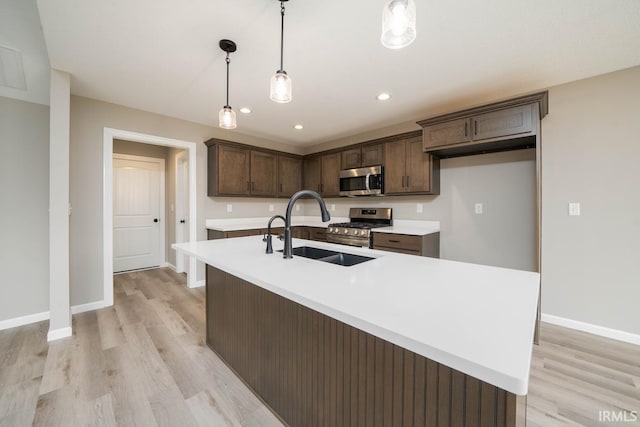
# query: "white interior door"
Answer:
x=138 y=201
x=182 y=207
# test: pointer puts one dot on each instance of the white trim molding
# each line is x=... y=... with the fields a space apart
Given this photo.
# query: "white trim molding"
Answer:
x=198 y=284
x=23 y=320
x=75 y=309
x=107 y=199
x=592 y=329
x=58 y=334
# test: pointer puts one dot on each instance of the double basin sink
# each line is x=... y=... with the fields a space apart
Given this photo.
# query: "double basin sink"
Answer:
x=333 y=257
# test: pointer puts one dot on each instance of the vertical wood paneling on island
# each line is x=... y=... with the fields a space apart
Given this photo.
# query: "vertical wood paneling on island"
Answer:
x=313 y=370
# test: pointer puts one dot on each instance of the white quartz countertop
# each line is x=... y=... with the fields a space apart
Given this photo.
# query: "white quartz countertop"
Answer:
x=411 y=227
x=476 y=319
x=233 y=224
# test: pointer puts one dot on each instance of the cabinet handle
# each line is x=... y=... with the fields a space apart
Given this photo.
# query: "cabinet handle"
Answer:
x=475 y=127
x=253 y=185
x=407 y=180
x=248 y=186
x=321 y=186
x=466 y=128
x=394 y=241
x=281 y=188
x=402 y=181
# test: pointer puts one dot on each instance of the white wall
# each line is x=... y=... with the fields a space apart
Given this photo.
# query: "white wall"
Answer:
x=24 y=217
x=591 y=155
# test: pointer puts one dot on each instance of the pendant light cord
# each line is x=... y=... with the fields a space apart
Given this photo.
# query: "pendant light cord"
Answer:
x=227 y=61
x=281 y=34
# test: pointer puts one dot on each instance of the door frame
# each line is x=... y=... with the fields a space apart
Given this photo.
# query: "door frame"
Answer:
x=163 y=207
x=181 y=159
x=109 y=134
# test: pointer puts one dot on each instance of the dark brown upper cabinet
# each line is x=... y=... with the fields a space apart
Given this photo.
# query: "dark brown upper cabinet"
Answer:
x=506 y=125
x=369 y=155
x=408 y=170
x=289 y=175
x=242 y=170
x=228 y=173
x=264 y=174
x=322 y=174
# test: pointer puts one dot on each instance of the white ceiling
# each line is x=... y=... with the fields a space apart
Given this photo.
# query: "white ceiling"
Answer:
x=162 y=56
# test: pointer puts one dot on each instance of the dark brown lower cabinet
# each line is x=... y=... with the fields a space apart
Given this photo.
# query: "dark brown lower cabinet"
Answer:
x=313 y=370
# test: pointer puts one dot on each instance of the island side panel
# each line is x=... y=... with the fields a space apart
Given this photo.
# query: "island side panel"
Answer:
x=313 y=370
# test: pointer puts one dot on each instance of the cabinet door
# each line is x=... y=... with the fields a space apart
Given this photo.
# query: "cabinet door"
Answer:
x=289 y=175
x=511 y=121
x=233 y=171
x=312 y=179
x=263 y=174
x=419 y=169
x=318 y=234
x=330 y=185
x=454 y=132
x=371 y=155
x=351 y=158
x=394 y=167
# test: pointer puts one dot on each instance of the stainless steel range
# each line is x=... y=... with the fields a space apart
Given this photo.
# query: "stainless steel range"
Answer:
x=357 y=232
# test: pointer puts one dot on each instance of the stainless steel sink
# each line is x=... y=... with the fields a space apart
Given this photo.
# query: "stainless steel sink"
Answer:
x=333 y=257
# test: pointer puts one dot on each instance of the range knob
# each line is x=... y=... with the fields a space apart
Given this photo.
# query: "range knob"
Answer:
x=346 y=231
x=330 y=229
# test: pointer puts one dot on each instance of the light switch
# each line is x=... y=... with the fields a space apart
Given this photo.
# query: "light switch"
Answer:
x=270 y=208
x=419 y=208
x=574 y=209
x=478 y=208
x=229 y=207
x=333 y=207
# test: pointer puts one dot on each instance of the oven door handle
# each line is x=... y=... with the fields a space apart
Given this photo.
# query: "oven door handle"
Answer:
x=366 y=182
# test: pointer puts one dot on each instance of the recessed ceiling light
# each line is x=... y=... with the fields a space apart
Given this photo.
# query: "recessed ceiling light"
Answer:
x=383 y=96
x=298 y=127
x=245 y=110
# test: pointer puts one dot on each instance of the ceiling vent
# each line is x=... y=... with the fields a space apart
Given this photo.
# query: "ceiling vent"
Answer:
x=12 y=69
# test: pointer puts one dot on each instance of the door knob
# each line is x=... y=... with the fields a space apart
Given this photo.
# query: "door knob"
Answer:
x=182 y=221
x=155 y=219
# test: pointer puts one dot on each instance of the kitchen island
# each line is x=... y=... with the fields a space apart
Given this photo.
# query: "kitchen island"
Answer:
x=398 y=340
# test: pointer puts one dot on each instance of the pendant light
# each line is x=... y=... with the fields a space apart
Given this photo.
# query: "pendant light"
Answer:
x=227 y=117
x=398 y=23
x=280 y=82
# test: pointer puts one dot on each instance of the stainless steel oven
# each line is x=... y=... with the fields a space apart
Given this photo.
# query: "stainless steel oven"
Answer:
x=362 y=181
x=357 y=232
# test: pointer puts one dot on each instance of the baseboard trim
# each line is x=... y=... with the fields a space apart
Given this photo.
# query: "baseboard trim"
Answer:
x=23 y=320
x=39 y=317
x=602 y=331
x=171 y=266
x=58 y=334
x=75 y=309
x=198 y=284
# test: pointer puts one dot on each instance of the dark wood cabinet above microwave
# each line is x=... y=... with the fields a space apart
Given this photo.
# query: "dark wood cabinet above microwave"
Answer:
x=500 y=126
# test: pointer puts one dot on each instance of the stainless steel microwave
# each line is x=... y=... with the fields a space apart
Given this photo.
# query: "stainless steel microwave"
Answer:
x=362 y=181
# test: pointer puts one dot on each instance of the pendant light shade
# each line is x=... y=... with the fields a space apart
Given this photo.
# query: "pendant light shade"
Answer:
x=227 y=117
x=398 y=23
x=281 y=82
x=281 y=87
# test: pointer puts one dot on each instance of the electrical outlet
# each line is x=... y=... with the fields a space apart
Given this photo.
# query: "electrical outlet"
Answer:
x=333 y=207
x=478 y=208
x=270 y=208
x=229 y=207
x=574 y=209
x=419 y=208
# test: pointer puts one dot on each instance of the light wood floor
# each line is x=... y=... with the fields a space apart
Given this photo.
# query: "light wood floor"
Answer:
x=144 y=362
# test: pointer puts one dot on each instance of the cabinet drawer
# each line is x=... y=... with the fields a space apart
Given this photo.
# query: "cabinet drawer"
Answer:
x=401 y=242
x=318 y=234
